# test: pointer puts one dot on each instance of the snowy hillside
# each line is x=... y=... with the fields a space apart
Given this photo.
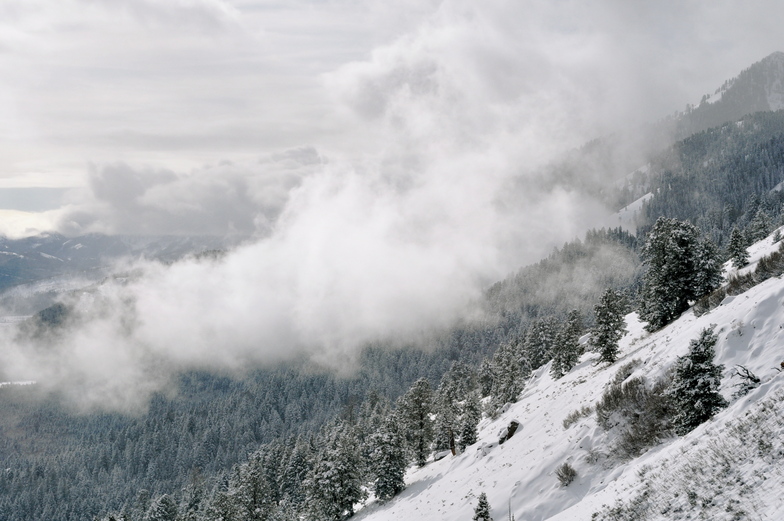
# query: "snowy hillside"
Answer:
x=726 y=469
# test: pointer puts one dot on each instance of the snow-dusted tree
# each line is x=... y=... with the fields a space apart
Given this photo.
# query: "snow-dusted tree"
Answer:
x=221 y=505
x=681 y=267
x=760 y=226
x=485 y=377
x=610 y=325
x=455 y=385
x=334 y=485
x=539 y=341
x=244 y=496
x=567 y=349
x=162 y=509
x=472 y=414
x=708 y=268
x=388 y=461
x=510 y=370
x=482 y=510
x=251 y=490
x=295 y=472
x=373 y=412
x=695 y=387
x=736 y=250
x=414 y=409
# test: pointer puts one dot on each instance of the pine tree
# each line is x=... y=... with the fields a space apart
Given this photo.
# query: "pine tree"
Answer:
x=482 y=510
x=567 y=349
x=737 y=251
x=539 y=341
x=472 y=414
x=681 y=267
x=163 y=509
x=695 y=388
x=251 y=490
x=510 y=370
x=610 y=325
x=388 y=460
x=485 y=377
x=414 y=409
x=707 y=269
x=455 y=385
x=760 y=226
x=295 y=472
x=334 y=485
x=221 y=506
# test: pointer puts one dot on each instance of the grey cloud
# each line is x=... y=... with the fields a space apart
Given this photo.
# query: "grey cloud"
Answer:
x=428 y=194
x=205 y=14
x=223 y=199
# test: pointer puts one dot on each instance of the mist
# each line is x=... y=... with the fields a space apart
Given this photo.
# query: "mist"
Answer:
x=403 y=180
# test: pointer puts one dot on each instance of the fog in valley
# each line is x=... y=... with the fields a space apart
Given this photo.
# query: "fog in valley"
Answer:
x=379 y=162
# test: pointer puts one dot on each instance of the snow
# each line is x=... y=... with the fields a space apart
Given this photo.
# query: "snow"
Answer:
x=756 y=252
x=726 y=466
x=626 y=217
x=47 y=256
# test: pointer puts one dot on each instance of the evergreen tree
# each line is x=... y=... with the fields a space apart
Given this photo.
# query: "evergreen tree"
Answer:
x=335 y=484
x=567 y=348
x=760 y=226
x=610 y=325
x=472 y=414
x=485 y=377
x=414 y=409
x=162 y=509
x=707 y=268
x=737 y=251
x=540 y=340
x=221 y=506
x=373 y=413
x=681 y=267
x=695 y=387
x=482 y=510
x=251 y=490
x=296 y=471
x=455 y=385
x=388 y=460
x=510 y=370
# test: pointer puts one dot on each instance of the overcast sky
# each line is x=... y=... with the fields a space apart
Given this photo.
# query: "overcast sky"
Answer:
x=180 y=84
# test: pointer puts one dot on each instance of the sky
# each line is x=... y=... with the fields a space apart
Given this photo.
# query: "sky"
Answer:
x=180 y=86
x=378 y=156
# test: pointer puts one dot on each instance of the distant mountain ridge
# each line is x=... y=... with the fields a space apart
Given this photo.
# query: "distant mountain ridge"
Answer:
x=756 y=89
x=90 y=257
x=599 y=164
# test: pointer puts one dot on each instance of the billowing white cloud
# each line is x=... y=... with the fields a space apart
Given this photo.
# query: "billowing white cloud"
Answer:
x=411 y=132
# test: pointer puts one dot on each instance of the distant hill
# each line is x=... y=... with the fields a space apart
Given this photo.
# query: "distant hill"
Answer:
x=756 y=89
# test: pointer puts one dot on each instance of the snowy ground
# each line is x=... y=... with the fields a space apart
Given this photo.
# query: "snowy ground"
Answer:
x=626 y=217
x=728 y=468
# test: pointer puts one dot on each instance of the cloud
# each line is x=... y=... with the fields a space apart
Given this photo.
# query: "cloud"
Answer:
x=416 y=191
x=224 y=199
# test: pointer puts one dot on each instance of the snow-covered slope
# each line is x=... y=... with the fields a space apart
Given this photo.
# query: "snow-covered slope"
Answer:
x=727 y=468
x=626 y=217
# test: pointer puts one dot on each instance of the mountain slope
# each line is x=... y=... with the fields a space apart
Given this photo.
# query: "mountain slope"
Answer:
x=520 y=474
x=756 y=89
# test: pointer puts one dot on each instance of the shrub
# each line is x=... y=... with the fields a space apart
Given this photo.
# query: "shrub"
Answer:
x=565 y=474
x=574 y=416
x=641 y=414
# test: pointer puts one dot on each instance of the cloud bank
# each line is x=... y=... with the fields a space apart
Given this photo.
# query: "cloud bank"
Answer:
x=406 y=179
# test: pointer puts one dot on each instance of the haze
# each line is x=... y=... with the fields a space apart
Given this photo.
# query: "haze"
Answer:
x=364 y=150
